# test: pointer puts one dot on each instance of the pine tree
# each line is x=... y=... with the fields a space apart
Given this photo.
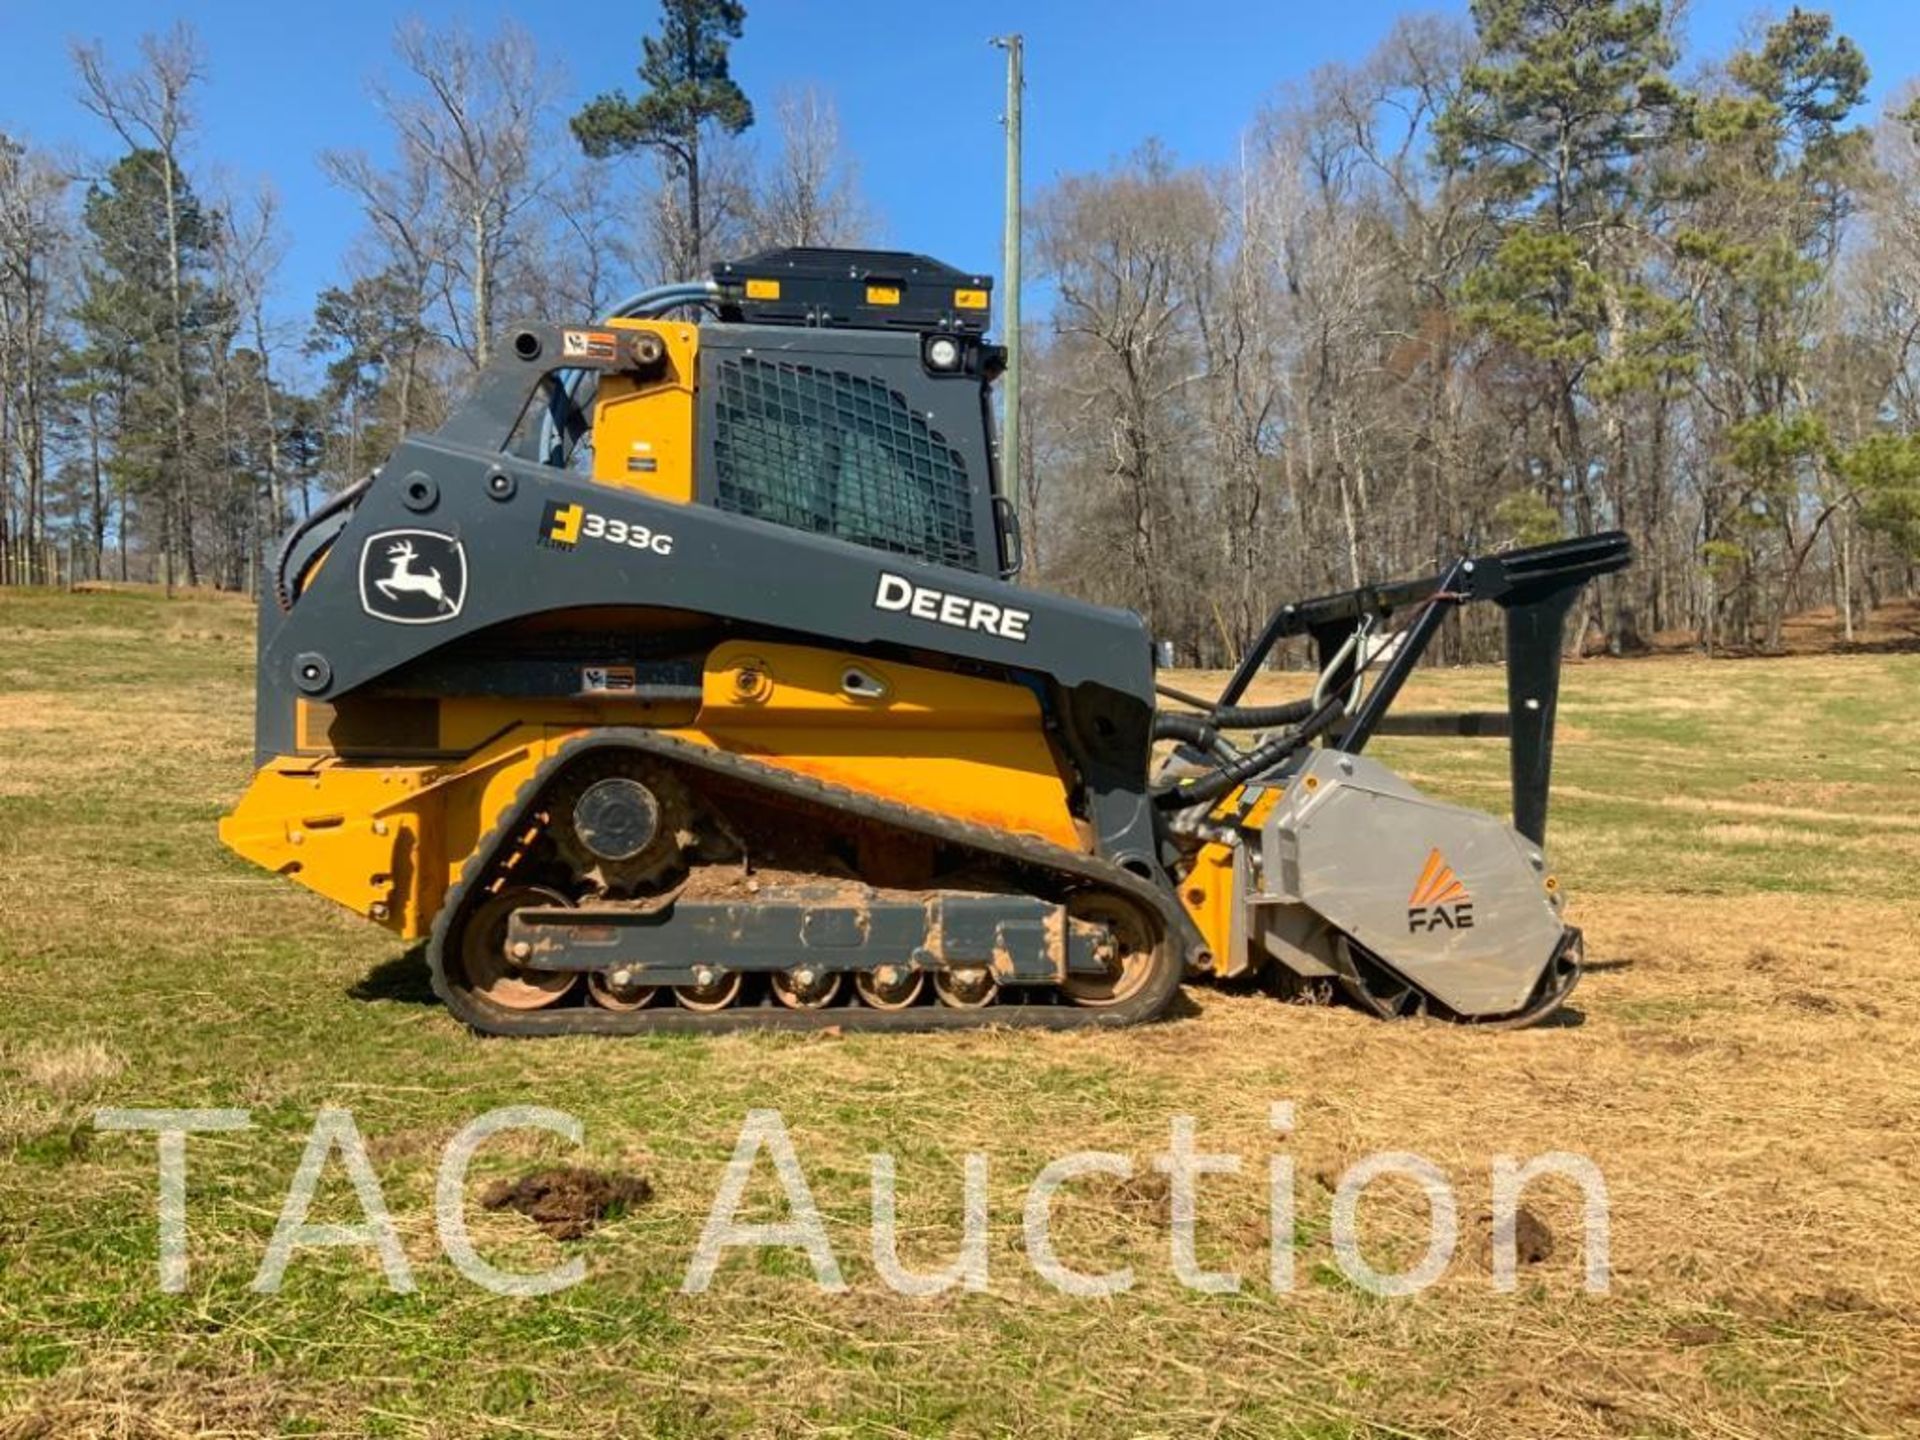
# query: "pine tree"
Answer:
x=688 y=90
x=1774 y=173
x=1563 y=121
x=134 y=333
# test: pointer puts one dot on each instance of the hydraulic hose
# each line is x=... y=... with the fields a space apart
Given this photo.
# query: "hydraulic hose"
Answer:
x=666 y=297
x=1260 y=717
x=282 y=589
x=1199 y=789
x=1240 y=717
x=1197 y=731
x=1192 y=729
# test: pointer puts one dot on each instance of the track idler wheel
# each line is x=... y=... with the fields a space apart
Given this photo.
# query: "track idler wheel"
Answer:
x=490 y=972
x=1128 y=953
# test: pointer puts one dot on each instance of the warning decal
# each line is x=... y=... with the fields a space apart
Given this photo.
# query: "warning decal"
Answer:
x=589 y=344
x=608 y=680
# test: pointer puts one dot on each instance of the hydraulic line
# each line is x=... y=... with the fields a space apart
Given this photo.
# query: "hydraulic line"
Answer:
x=1197 y=790
x=666 y=297
x=1238 y=717
x=1260 y=717
x=1182 y=696
x=282 y=591
x=1192 y=729
x=1195 y=731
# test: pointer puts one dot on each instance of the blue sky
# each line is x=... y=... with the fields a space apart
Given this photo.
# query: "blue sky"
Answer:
x=918 y=87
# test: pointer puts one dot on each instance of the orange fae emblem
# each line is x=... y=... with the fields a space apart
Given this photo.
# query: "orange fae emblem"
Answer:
x=1437 y=883
x=1439 y=900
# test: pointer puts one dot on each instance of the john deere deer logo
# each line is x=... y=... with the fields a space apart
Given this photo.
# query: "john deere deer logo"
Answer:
x=412 y=577
x=1439 y=900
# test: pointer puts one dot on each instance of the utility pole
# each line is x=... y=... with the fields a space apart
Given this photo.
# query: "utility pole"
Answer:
x=1010 y=269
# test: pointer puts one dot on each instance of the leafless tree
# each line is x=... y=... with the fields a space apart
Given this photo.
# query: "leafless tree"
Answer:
x=248 y=248
x=587 y=258
x=673 y=246
x=471 y=123
x=407 y=241
x=1120 y=251
x=35 y=247
x=810 y=194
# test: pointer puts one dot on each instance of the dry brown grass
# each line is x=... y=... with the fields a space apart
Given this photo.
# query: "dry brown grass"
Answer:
x=1743 y=1064
x=130 y=1395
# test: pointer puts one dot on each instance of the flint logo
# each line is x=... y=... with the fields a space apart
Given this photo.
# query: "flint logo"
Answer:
x=560 y=525
x=412 y=577
x=1439 y=900
x=957 y=611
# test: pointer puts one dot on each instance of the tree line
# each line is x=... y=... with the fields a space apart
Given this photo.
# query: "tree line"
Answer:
x=1531 y=275
x=159 y=422
x=1534 y=273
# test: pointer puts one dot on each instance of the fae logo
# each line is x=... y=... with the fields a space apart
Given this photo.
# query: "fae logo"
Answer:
x=1439 y=900
x=413 y=577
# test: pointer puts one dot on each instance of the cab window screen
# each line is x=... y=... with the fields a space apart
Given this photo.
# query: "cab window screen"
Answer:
x=839 y=454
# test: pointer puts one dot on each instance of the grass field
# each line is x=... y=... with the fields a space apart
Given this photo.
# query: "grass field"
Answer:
x=1741 y=839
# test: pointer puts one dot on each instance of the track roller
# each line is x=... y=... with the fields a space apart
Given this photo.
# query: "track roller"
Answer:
x=806 y=988
x=611 y=994
x=891 y=987
x=716 y=992
x=966 y=987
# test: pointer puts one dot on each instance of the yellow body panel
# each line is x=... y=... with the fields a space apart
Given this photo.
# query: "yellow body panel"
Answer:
x=387 y=840
x=1207 y=894
x=968 y=748
x=643 y=428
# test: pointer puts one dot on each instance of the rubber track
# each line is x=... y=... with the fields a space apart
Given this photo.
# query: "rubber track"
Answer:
x=1089 y=871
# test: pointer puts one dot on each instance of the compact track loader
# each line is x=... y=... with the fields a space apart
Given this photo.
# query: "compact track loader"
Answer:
x=676 y=682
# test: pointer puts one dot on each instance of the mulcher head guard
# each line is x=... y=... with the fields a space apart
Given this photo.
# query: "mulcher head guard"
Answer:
x=1343 y=875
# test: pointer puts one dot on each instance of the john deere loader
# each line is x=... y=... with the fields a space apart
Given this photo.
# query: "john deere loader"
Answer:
x=677 y=682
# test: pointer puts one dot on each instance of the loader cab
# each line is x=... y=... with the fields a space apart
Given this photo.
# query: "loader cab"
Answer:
x=845 y=393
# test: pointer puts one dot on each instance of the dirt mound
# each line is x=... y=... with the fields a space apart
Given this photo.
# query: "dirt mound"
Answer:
x=568 y=1201
x=1533 y=1242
